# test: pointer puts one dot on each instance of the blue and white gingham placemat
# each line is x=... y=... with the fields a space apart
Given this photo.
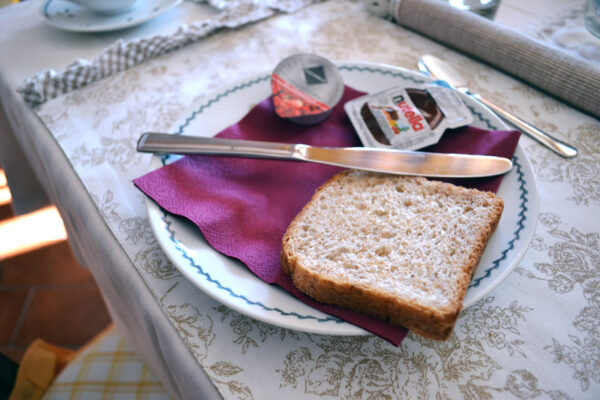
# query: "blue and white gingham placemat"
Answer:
x=122 y=55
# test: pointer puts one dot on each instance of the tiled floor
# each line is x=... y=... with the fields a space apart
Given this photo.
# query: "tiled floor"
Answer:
x=46 y=294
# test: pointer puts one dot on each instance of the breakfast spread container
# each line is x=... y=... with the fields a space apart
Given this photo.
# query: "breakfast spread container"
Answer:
x=407 y=117
x=305 y=88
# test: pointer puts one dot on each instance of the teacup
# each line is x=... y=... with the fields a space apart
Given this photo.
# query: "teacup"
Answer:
x=107 y=6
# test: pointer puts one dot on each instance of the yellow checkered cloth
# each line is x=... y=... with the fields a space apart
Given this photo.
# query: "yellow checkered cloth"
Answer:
x=106 y=368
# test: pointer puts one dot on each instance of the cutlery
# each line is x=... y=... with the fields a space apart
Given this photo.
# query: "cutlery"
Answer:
x=438 y=69
x=400 y=162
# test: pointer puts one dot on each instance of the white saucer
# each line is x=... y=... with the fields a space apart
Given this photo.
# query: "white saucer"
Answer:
x=72 y=17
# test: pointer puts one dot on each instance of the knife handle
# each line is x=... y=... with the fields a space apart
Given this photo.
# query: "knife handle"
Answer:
x=553 y=144
x=151 y=142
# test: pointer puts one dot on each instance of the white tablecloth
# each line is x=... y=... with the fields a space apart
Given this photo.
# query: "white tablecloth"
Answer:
x=535 y=335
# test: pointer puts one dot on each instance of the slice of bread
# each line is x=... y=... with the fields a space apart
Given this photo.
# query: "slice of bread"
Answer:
x=399 y=248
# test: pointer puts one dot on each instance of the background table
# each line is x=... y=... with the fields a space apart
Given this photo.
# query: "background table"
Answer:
x=535 y=335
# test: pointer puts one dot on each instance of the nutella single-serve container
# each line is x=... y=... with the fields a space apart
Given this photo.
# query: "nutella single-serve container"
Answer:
x=305 y=88
x=407 y=117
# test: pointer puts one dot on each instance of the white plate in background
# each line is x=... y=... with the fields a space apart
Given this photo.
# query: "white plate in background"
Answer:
x=69 y=16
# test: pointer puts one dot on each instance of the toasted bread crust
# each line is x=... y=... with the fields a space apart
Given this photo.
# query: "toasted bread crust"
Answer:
x=430 y=322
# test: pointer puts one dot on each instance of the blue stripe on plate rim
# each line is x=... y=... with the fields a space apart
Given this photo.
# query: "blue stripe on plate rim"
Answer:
x=516 y=236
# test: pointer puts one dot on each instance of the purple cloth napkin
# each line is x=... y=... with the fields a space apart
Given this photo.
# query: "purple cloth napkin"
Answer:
x=243 y=206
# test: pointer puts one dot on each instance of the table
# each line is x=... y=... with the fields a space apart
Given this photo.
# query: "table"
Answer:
x=535 y=335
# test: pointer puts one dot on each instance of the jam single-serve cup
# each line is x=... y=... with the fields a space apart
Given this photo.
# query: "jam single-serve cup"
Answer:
x=305 y=88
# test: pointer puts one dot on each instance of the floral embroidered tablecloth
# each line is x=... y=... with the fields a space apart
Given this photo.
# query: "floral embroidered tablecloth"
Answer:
x=536 y=336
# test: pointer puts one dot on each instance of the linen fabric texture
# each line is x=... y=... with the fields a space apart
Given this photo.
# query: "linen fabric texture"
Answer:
x=565 y=76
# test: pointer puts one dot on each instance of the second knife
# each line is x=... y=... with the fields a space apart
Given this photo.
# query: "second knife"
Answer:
x=438 y=69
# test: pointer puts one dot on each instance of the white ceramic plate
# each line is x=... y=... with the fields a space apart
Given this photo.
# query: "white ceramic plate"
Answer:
x=232 y=284
x=72 y=17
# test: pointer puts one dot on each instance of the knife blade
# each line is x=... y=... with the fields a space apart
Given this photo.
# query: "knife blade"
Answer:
x=399 y=162
x=438 y=69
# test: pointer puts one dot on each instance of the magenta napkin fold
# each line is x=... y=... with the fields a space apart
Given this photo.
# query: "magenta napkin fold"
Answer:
x=243 y=206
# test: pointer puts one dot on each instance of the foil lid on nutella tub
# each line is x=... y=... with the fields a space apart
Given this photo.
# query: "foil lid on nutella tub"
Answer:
x=407 y=117
x=305 y=88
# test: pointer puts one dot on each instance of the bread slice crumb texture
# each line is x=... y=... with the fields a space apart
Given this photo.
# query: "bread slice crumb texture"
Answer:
x=408 y=241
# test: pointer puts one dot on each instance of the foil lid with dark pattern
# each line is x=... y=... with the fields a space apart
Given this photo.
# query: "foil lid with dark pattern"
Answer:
x=305 y=88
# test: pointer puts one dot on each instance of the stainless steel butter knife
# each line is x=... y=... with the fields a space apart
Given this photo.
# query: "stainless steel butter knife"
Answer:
x=398 y=162
x=438 y=69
